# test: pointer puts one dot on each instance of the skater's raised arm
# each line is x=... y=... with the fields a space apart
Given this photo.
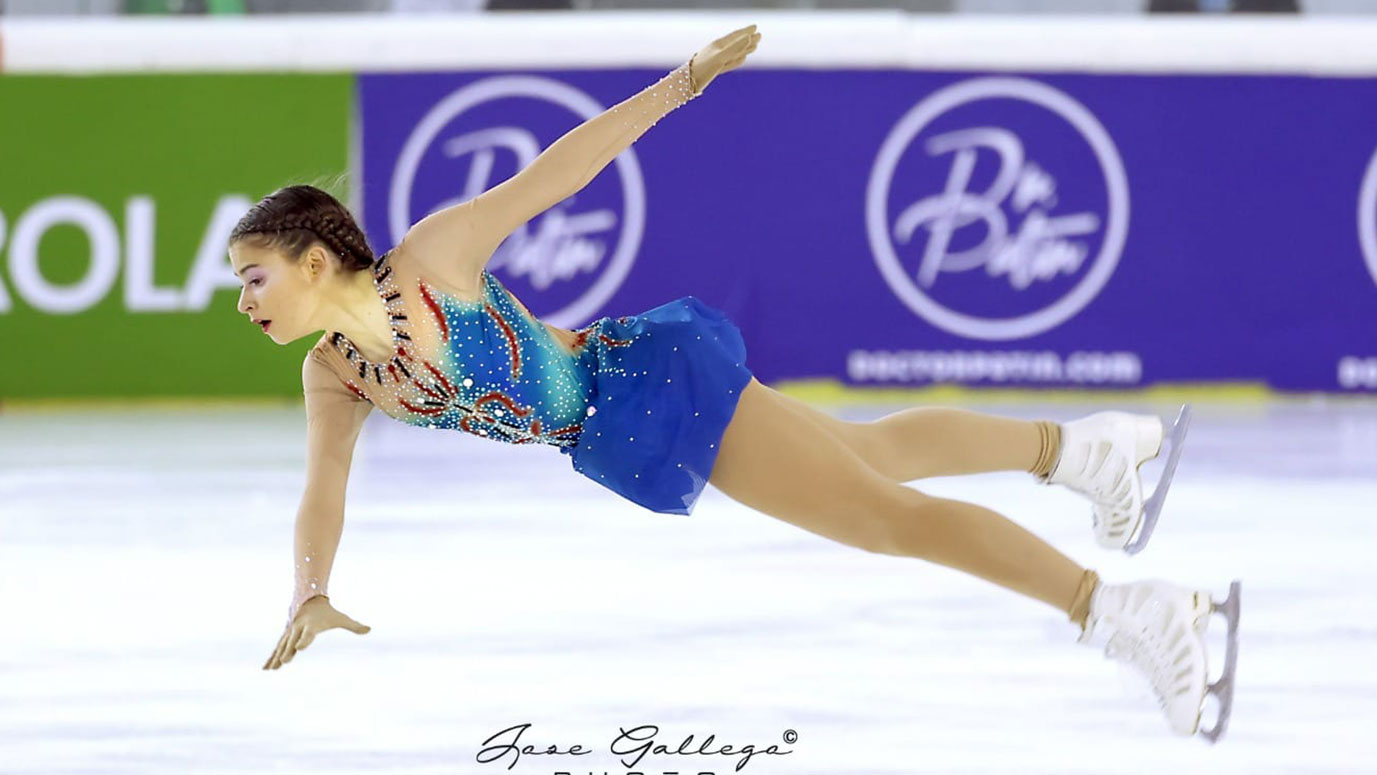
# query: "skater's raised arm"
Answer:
x=465 y=235
x=334 y=417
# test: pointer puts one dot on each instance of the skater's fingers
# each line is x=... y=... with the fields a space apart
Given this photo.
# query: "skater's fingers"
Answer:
x=292 y=644
x=743 y=32
x=282 y=647
x=272 y=658
x=734 y=37
x=276 y=646
x=305 y=641
x=276 y=660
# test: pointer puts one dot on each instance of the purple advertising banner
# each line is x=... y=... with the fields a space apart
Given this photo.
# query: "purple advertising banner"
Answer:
x=894 y=227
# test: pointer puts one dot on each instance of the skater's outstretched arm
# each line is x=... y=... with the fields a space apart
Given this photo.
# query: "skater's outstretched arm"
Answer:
x=465 y=235
x=334 y=416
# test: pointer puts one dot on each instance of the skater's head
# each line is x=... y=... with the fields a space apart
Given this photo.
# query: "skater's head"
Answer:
x=302 y=260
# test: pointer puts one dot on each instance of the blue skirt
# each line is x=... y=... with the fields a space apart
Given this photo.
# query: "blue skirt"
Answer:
x=666 y=384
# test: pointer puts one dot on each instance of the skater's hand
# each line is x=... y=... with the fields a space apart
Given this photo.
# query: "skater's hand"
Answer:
x=314 y=616
x=725 y=53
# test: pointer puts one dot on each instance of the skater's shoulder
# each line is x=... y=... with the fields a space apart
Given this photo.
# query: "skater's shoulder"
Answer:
x=317 y=362
x=462 y=280
x=318 y=365
x=321 y=348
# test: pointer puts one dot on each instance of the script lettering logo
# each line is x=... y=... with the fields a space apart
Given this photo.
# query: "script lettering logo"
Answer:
x=563 y=245
x=1007 y=218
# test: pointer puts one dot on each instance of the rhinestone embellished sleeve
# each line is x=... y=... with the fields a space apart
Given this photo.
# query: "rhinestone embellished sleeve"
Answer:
x=598 y=141
x=334 y=414
x=312 y=572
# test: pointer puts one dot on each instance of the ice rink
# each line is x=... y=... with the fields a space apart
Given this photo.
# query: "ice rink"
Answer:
x=145 y=572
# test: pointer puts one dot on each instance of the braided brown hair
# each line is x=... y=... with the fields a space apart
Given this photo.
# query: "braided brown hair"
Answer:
x=293 y=218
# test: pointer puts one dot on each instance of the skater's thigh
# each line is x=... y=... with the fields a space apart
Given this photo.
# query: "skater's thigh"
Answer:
x=846 y=431
x=862 y=438
x=797 y=472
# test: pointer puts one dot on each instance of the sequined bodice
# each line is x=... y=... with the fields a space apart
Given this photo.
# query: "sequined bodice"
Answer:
x=480 y=365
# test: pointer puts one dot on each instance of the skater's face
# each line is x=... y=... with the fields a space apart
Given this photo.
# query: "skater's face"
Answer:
x=280 y=291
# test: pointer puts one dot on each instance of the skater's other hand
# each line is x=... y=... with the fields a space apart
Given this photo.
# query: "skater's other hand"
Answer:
x=725 y=53
x=314 y=616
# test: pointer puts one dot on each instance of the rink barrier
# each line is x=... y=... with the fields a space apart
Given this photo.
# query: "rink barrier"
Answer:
x=902 y=227
x=1085 y=74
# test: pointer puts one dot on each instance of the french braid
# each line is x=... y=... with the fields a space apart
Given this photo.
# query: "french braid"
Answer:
x=293 y=218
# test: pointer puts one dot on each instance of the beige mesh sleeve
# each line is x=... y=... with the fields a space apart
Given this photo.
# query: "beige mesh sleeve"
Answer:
x=334 y=416
x=480 y=224
x=591 y=146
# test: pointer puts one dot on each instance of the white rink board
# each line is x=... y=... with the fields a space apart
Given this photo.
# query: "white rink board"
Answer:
x=1320 y=45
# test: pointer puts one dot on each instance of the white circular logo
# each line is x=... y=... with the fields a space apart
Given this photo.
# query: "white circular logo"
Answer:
x=1026 y=240
x=553 y=256
x=1367 y=216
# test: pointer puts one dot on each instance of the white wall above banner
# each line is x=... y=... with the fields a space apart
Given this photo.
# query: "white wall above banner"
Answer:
x=1329 y=45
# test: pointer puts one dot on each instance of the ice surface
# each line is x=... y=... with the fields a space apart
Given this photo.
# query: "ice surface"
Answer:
x=145 y=570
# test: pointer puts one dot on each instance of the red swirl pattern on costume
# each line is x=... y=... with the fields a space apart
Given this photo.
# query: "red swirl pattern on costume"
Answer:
x=430 y=396
x=609 y=341
x=435 y=310
x=513 y=346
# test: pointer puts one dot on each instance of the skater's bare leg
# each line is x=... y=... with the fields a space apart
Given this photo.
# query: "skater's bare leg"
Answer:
x=920 y=442
x=797 y=472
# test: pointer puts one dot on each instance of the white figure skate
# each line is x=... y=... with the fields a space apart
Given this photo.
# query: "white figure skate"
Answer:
x=1100 y=458
x=1160 y=628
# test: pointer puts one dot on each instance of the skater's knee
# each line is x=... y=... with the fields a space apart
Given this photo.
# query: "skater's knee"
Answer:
x=872 y=533
x=902 y=523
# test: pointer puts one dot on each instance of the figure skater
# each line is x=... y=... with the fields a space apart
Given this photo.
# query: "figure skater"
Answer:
x=656 y=405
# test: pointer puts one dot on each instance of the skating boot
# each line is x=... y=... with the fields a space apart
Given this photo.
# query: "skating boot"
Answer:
x=1100 y=458
x=1160 y=628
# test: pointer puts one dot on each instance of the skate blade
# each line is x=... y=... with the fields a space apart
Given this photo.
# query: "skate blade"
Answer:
x=1223 y=689
x=1153 y=506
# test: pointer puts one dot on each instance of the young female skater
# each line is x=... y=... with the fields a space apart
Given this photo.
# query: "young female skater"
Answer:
x=656 y=405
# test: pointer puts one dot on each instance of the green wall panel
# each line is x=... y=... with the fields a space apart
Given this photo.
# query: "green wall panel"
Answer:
x=116 y=196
